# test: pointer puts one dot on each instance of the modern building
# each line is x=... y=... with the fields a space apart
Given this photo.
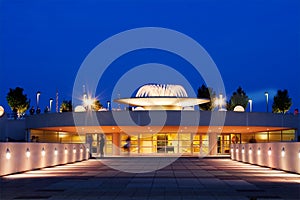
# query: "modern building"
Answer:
x=162 y=122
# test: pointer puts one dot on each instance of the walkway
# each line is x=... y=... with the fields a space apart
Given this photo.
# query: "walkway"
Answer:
x=186 y=178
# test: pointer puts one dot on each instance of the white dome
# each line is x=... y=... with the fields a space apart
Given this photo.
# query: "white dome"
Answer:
x=161 y=90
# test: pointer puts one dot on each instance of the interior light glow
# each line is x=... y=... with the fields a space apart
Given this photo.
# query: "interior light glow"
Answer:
x=27 y=153
x=8 y=154
x=43 y=152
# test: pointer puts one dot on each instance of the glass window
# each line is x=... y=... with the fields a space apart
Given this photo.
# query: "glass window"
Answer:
x=288 y=135
x=275 y=136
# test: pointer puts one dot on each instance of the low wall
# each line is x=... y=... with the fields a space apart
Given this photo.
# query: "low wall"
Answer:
x=19 y=157
x=280 y=155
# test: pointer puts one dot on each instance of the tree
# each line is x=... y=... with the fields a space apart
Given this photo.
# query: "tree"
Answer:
x=97 y=105
x=282 y=102
x=66 y=106
x=17 y=101
x=207 y=93
x=238 y=98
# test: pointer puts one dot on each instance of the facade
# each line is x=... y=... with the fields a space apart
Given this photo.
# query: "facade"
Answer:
x=154 y=139
x=160 y=126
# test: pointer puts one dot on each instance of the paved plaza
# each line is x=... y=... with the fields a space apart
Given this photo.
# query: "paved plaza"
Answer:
x=186 y=178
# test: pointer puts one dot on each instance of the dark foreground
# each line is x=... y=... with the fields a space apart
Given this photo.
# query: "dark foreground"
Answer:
x=186 y=178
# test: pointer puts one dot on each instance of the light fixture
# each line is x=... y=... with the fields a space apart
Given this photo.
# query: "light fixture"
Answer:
x=231 y=149
x=1 y=111
x=88 y=150
x=258 y=151
x=81 y=150
x=250 y=150
x=74 y=150
x=267 y=101
x=43 y=152
x=237 y=150
x=66 y=150
x=299 y=154
x=250 y=104
x=55 y=151
x=8 y=154
x=282 y=152
x=27 y=153
x=243 y=150
x=270 y=151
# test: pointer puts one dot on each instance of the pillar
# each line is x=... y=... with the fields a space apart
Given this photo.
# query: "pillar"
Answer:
x=213 y=143
x=116 y=143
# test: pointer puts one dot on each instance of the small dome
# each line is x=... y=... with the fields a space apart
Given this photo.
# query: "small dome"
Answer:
x=161 y=90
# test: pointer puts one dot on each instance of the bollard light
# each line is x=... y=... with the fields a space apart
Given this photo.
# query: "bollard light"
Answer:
x=55 y=151
x=8 y=154
x=43 y=152
x=250 y=150
x=66 y=150
x=299 y=154
x=74 y=150
x=237 y=150
x=270 y=151
x=258 y=151
x=243 y=150
x=231 y=150
x=88 y=150
x=81 y=150
x=282 y=152
x=27 y=153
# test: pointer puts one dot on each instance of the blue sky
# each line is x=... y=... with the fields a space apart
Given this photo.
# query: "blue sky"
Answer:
x=254 y=43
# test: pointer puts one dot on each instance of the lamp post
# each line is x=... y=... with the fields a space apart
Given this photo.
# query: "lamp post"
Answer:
x=38 y=93
x=267 y=101
x=50 y=104
x=108 y=105
x=250 y=104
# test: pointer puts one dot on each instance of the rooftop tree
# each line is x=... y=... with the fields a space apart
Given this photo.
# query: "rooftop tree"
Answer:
x=97 y=105
x=282 y=102
x=207 y=93
x=17 y=101
x=238 y=98
x=66 y=106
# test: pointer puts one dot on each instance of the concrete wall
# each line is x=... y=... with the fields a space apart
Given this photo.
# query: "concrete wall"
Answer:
x=12 y=129
x=19 y=162
x=280 y=155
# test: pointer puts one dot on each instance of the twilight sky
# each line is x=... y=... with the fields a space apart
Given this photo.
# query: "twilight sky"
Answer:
x=254 y=43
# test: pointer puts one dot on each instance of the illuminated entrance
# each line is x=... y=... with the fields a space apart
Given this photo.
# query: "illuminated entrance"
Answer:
x=159 y=144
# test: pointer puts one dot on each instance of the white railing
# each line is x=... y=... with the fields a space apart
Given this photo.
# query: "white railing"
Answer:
x=278 y=155
x=19 y=157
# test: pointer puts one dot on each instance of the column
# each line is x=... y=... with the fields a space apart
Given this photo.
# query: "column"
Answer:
x=213 y=143
x=116 y=143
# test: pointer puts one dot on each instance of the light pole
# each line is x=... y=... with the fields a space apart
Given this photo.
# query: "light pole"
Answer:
x=50 y=104
x=267 y=100
x=108 y=105
x=250 y=104
x=38 y=93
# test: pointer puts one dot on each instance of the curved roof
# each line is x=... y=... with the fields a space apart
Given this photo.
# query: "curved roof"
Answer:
x=161 y=90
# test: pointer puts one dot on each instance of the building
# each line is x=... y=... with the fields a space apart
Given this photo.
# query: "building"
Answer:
x=158 y=125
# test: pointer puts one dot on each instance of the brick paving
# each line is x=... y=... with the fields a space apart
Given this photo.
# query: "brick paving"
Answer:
x=186 y=178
